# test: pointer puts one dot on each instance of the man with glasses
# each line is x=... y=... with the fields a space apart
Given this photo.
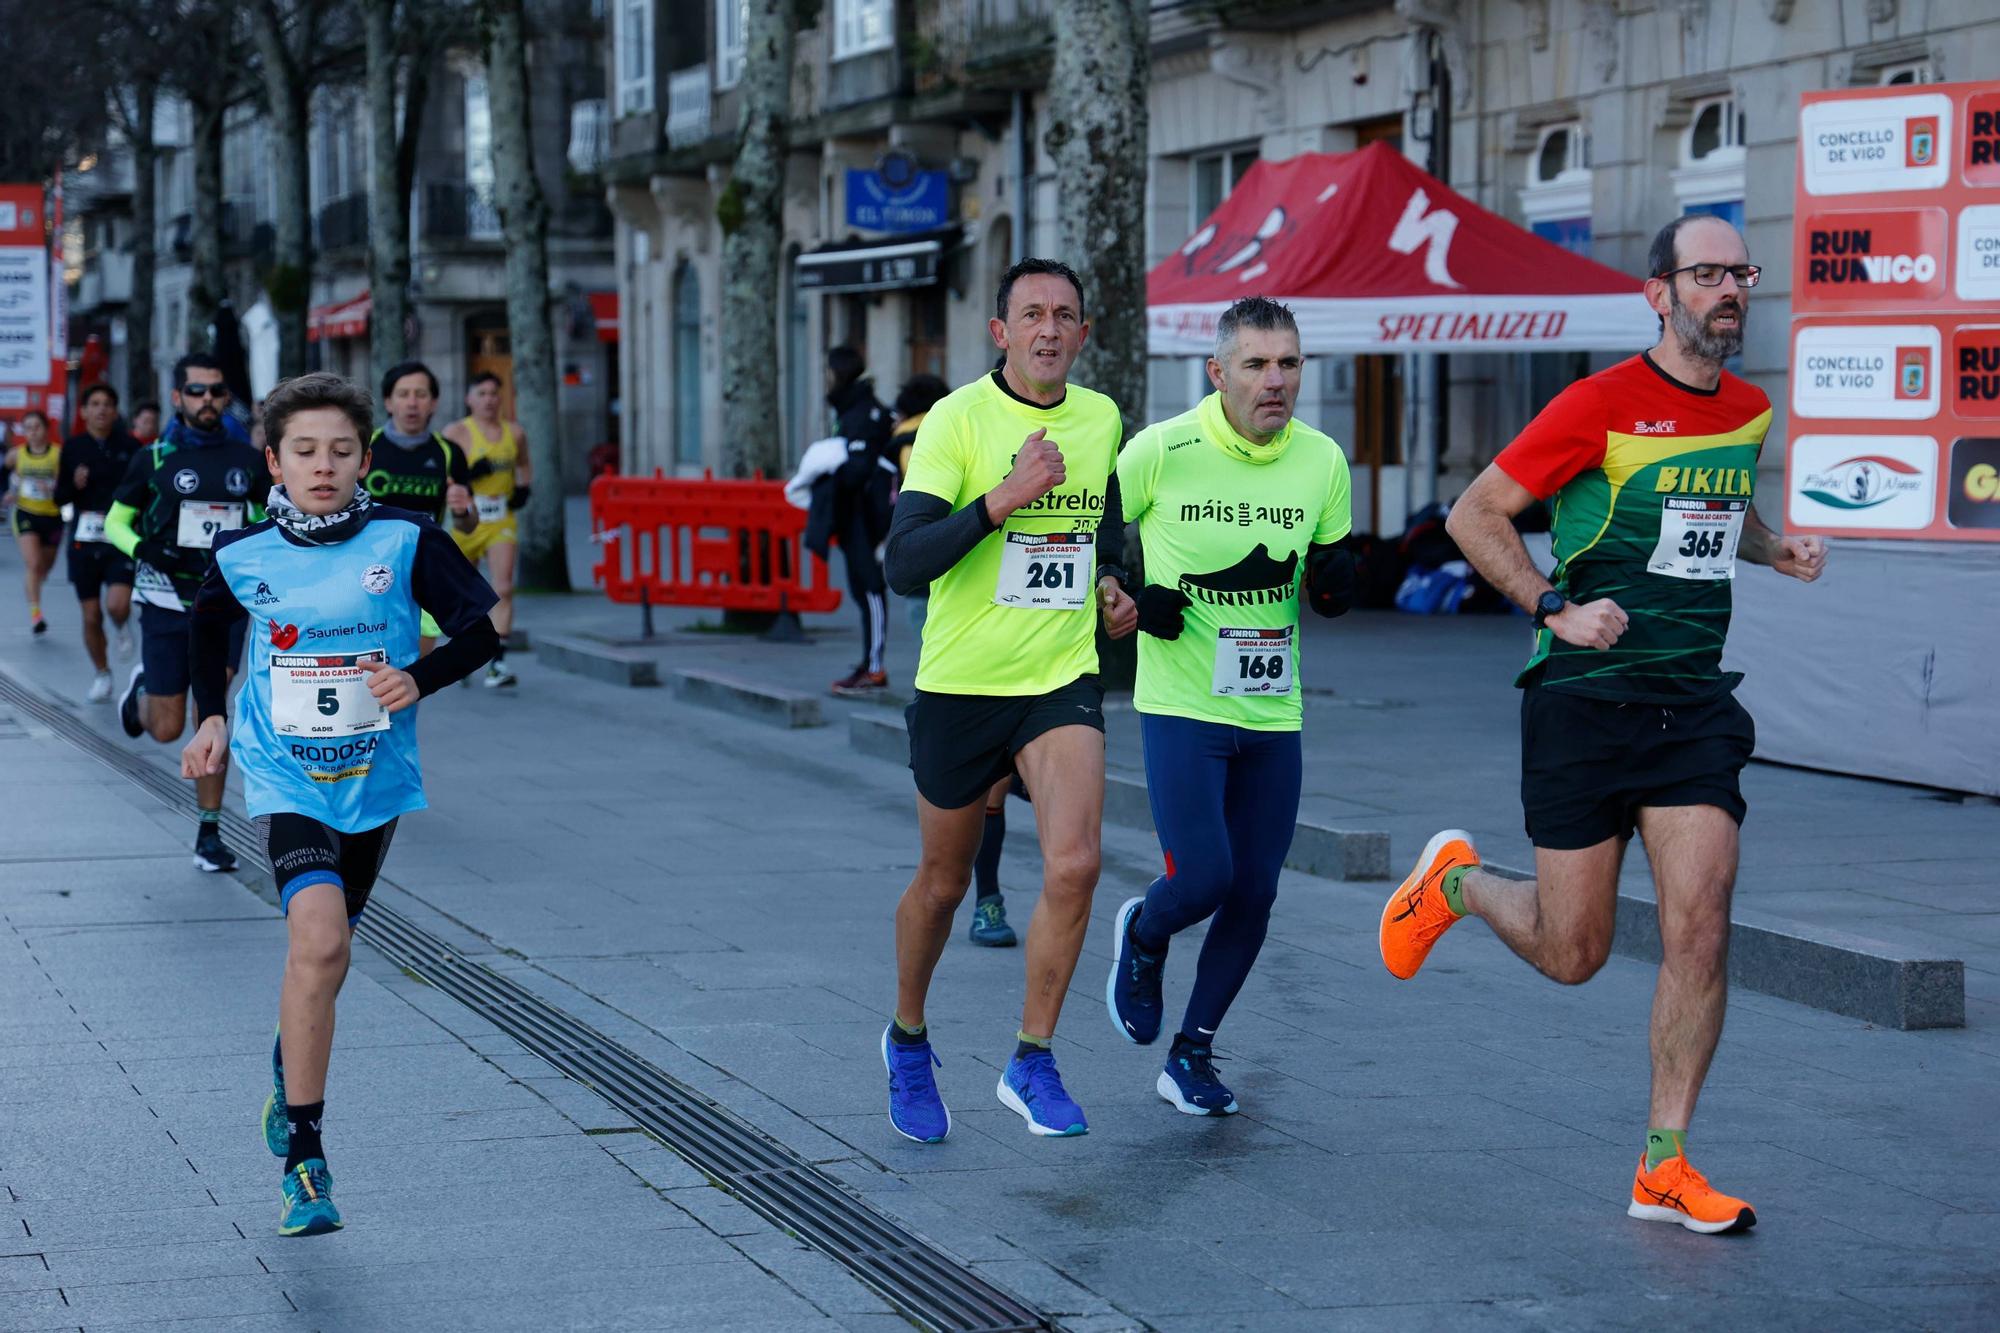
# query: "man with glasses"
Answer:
x=201 y=478
x=1628 y=722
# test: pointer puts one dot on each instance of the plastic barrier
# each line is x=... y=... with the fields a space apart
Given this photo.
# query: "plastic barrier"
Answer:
x=733 y=545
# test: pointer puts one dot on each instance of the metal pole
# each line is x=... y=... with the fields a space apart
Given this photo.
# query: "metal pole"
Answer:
x=1023 y=219
x=1440 y=167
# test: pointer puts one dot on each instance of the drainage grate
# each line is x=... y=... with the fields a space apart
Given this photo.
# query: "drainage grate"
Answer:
x=786 y=1190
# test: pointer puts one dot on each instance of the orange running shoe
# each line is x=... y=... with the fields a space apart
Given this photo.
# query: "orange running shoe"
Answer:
x=1417 y=914
x=1673 y=1191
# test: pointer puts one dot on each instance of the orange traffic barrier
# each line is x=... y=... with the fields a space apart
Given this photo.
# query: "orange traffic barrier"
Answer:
x=733 y=545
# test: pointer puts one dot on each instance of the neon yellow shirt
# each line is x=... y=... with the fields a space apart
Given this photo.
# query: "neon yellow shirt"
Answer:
x=1232 y=535
x=973 y=643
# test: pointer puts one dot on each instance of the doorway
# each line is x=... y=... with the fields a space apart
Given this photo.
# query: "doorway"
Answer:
x=490 y=348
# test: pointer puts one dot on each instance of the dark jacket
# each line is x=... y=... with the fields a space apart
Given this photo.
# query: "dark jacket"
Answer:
x=853 y=503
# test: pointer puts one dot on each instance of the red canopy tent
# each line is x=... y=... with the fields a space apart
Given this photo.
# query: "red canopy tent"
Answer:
x=1373 y=255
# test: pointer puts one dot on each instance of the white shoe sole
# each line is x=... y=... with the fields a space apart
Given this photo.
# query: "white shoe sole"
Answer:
x=204 y=864
x=892 y=1119
x=1020 y=1108
x=1171 y=1090
x=1647 y=1212
x=100 y=692
x=1118 y=942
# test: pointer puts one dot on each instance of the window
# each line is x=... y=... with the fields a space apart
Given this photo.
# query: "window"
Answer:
x=730 y=18
x=1916 y=71
x=634 y=41
x=1710 y=176
x=1716 y=132
x=1556 y=198
x=861 y=26
x=589 y=136
x=1215 y=175
x=482 y=219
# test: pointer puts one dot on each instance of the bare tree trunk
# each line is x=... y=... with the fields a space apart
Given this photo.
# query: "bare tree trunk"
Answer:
x=285 y=61
x=141 y=381
x=524 y=221
x=1097 y=136
x=752 y=244
x=388 y=205
x=208 y=288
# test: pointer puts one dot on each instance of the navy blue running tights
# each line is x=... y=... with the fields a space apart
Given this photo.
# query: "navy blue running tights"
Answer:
x=1225 y=800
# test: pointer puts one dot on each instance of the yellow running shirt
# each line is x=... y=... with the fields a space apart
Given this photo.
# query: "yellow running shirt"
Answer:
x=1232 y=535
x=35 y=481
x=1018 y=615
x=491 y=491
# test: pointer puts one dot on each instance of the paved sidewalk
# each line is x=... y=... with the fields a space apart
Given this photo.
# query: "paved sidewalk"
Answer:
x=715 y=893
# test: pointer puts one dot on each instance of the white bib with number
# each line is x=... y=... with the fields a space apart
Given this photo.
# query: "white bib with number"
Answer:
x=1253 y=661
x=491 y=508
x=324 y=694
x=202 y=520
x=38 y=488
x=1045 y=571
x=89 y=527
x=1698 y=537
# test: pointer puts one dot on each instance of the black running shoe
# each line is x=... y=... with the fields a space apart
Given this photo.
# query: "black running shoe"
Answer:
x=128 y=704
x=209 y=852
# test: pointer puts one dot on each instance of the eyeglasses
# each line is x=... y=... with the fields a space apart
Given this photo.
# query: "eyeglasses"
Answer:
x=1710 y=275
x=204 y=390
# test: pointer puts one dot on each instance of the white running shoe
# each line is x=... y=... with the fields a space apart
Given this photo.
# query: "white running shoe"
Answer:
x=121 y=638
x=497 y=677
x=100 y=687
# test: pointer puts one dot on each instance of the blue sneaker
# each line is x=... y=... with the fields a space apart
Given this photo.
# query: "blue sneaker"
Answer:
x=1132 y=991
x=277 y=1127
x=309 y=1209
x=1189 y=1082
x=1032 y=1089
x=915 y=1107
x=989 y=924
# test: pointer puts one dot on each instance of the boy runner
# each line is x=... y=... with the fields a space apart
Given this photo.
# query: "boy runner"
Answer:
x=93 y=463
x=326 y=727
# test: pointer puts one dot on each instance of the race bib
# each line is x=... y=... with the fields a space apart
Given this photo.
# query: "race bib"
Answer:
x=1698 y=538
x=202 y=520
x=324 y=694
x=38 y=488
x=89 y=527
x=1253 y=661
x=490 y=508
x=1046 y=571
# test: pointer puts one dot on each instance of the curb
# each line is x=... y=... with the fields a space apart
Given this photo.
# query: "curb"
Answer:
x=763 y=703
x=599 y=661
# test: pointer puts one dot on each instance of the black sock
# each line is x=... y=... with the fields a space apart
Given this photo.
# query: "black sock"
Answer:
x=500 y=653
x=906 y=1036
x=1183 y=1043
x=305 y=1122
x=986 y=866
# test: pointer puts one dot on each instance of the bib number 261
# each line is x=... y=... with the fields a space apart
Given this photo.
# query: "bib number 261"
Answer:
x=1045 y=571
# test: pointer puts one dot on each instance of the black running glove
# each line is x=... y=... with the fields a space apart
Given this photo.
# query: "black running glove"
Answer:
x=519 y=497
x=482 y=468
x=1160 y=610
x=1330 y=579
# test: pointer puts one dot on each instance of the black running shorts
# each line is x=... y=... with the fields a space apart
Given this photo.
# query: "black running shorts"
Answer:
x=1589 y=765
x=94 y=564
x=305 y=852
x=49 y=527
x=961 y=744
x=166 y=651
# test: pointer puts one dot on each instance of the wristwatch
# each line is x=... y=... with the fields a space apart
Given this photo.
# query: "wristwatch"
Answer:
x=1549 y=604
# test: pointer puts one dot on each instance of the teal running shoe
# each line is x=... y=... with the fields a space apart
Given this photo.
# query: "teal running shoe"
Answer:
x=989 y=924
x=308 y=1209
x=277 y=1128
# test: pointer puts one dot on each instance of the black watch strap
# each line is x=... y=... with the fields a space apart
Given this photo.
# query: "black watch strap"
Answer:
x=1548 y=604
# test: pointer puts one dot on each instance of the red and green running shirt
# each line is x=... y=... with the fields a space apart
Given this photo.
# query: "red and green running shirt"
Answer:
x=1649 y=483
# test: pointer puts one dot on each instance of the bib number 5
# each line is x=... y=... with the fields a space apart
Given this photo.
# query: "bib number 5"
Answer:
x=324 y=694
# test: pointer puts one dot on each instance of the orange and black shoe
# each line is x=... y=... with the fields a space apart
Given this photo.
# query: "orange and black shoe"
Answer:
x=1417 y=914
x=1673 y=1191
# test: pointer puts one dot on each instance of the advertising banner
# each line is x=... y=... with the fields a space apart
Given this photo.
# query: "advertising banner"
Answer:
x=1895 y=338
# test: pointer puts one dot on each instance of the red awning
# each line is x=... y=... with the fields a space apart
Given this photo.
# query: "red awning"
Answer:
x=339 y=319
x=1373 y=255
x=604 y=309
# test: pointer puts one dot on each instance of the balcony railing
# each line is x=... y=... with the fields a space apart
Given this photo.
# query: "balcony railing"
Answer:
x=343 y=223
x=688 y=99
x=106 y=281
x=460 y=211
x=1000 y=28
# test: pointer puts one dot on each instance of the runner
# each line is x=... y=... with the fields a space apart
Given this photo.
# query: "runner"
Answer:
x=198 y=480
x=863 y=490
x=325 y=736
x=1007 y=678
x=36 y=464
x=1235 y=502
x=413 y=467
x=1627 y=718
x=93 y=463
x=146 y=422
x=500 y=473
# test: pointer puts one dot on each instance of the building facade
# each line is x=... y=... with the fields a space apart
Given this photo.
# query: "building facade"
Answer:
x=1592 y=122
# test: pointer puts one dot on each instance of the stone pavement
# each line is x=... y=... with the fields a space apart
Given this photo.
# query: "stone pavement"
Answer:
x=1449 y=1152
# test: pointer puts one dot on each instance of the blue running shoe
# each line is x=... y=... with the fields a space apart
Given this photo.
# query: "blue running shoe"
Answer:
x=915 y=1107
x=309 y=1209
x=277 y=1127
x=1132 y=992
x=1189 y=1082
x=989 y=924
x=1032 y=1089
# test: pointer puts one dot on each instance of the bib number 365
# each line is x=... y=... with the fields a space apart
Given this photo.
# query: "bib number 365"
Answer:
x=1045 y=571
x=1698 y=538
x=1253 y=661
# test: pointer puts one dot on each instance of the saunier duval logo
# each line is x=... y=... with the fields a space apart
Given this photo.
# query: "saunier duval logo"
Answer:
x=1861 y=482
x=1705 y=481
x=1255 y=580
x=343 y=631
x=1243 y=514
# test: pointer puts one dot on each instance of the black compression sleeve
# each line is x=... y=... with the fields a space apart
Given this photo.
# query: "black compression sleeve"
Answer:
x=1111 y=534
x=926 y=538
x=216 y=610
x=456 y=658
